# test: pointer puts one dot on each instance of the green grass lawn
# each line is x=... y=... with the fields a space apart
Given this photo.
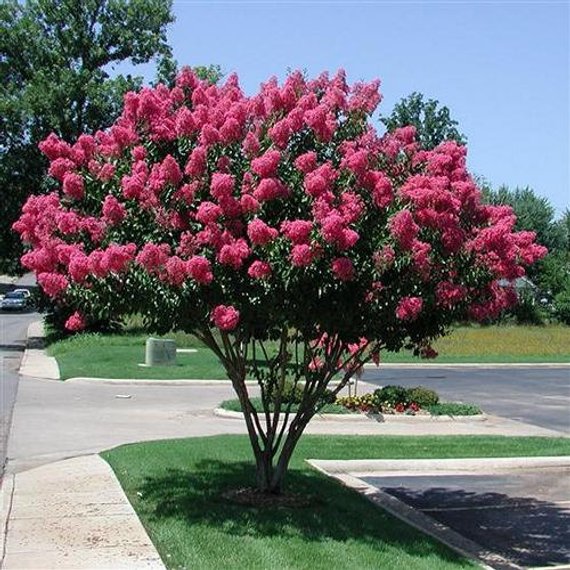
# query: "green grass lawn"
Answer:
x=118 y=356
x=234 y=406
x=175 y=486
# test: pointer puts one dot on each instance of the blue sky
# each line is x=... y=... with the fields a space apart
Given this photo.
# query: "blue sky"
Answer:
x=501 y=67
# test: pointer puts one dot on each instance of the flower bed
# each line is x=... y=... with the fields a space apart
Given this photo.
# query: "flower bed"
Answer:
x=398 y=400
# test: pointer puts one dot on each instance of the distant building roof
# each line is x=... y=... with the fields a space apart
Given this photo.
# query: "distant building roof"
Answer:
x=518 y=283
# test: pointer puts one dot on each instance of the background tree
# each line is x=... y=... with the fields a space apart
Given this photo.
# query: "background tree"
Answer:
x=433 y=123
x=55 y=59
x=279 y=229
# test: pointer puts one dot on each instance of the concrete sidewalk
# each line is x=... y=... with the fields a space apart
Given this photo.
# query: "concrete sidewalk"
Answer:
x=72 y=514
x=66 y=513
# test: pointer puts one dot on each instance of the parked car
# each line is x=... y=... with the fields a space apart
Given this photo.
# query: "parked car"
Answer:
x=15 y=301
x=25 y=292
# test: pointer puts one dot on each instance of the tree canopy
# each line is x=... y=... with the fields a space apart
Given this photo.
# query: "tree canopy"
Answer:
x=55 y=62
x=433 y=123
x=280 y=229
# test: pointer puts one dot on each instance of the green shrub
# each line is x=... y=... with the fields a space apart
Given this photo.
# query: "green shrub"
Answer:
x=292 y=393
x=527 y=311
x=562 y=306
x=423 y=397
x=454 y=409
x=391 y=396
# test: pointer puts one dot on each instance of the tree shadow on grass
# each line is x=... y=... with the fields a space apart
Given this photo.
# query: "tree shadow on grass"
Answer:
x=195 y=497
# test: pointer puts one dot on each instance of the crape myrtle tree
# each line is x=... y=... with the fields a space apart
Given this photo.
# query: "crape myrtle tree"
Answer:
x=279 y=229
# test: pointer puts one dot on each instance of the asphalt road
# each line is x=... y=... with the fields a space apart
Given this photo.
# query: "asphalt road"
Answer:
x=538 y=396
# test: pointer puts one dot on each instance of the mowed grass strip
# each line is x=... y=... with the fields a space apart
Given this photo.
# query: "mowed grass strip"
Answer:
x=176 y=487
x=118 y=356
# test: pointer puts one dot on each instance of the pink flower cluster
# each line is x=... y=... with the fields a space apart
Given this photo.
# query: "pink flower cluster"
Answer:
x=226 y=318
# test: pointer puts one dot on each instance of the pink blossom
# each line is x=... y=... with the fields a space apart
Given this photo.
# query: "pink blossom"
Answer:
x=106 y=172
x=200 y=269
x=260 y=233
x=208 y=212
x=209 y=136
x=306 y=162
x=116 y=257
x=226 y=318
x=54 y=148
x=185 y=124
x=315 y=364
x=280 y=132
x=230 y=131
x=259 y=270
x=79 y=267
x=138 y=153
x=315 y=184
x=266 y=165
x=421 y=258
x=384 y=258
x=133 y=186
x=196 y=165
x=449 y=294
x=364 y=97
x=404 y=229
x=60 y=167
x=301 y=255
x=221 y=185
x=352 y=207
x=409 y=308
x=249 y=204
x=234 y=254
x=170 y=171
x=176 y=271
x=343 y=268
x=68 y=222
x=113 y=211
x=153 y=256
x=52 y=283
x=75 y=322
x=73 y=185
x=270 y=189
x=251 y=144
x=298 y=231
x=382 y=193
x=357 y=162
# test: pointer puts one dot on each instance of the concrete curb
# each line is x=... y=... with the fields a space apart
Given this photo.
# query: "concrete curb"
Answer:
x=381 y=418
x=74 y=514
x=155 y=382
x=422 y=522
x=425 y=466
x=35 y=362
x=482 y=365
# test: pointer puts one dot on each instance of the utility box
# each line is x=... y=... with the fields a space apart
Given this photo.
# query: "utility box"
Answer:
x=160 y=352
